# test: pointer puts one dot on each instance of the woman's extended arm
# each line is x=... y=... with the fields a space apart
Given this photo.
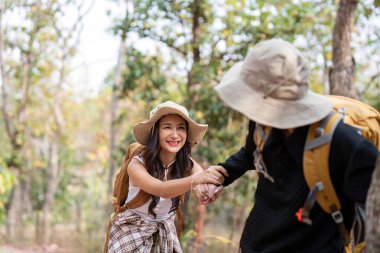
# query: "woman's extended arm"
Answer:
x=196 y=167
x=172 y=188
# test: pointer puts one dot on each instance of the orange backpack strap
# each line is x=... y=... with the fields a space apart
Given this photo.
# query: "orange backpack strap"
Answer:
x=317 y=173
x=121 y=185
x=260 y=137
x=179 y=215
x=140 y=199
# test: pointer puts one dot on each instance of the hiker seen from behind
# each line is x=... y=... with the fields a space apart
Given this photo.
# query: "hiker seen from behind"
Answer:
x=163 y=170
x=288 y=124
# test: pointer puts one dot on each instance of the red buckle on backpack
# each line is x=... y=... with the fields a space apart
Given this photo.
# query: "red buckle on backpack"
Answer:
x=302 y=217
x=299 y=213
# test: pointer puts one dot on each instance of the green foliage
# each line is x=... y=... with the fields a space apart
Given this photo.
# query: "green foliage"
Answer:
x=7 y=180
x=143 y=72
x=222 y=138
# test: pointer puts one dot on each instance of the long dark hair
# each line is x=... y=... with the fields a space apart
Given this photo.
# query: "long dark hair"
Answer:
x=181 y=167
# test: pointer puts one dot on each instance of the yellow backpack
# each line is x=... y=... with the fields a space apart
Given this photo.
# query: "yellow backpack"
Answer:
x=366 y=120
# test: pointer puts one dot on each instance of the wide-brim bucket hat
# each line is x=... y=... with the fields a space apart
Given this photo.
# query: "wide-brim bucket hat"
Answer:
x=271 y=87
x=143 y=130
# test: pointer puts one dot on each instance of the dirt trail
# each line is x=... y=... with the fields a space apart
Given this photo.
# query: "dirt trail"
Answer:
x=53 y=248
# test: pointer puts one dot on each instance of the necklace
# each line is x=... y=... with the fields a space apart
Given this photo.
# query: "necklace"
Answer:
x=166 y=170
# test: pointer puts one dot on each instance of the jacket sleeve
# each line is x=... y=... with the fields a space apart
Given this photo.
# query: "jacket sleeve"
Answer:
x=238 y=163
x=357 y=159
x=359 y=172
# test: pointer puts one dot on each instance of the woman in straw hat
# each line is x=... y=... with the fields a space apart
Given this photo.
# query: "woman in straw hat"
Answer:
x=165 y=170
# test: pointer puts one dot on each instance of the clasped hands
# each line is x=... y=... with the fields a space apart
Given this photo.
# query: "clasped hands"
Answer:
x=208 y=192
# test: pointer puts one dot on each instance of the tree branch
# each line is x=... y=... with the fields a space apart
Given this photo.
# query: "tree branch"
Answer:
x=4 y=107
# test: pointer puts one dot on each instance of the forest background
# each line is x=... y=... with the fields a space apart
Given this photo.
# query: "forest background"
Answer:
x=60 y=149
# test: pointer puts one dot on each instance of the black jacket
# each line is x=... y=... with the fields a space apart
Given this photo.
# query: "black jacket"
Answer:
x=272 y=225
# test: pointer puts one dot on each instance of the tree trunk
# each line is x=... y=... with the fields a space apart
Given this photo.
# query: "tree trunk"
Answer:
x=19 y=201
x=17 y=207
x=199 y=225
x=342 y=73
x=193 y=74
x=113 y=112
x=13 y=221
x=78 y=215
x=44 y=235
x=373 y=213
x=325 y=77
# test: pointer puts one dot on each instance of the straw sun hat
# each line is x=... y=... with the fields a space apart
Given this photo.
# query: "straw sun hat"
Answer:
x=271 y=87
x=143 y=130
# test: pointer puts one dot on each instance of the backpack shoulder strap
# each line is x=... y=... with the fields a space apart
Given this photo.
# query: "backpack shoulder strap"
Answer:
x=140 y=199
x=316 y=164
x=317 y=173
x=179 y=215
x=121 y=189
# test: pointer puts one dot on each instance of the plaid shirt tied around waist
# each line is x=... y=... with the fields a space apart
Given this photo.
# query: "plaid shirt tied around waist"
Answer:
x=132 y=233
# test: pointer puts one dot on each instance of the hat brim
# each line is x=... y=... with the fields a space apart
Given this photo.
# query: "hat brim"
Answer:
x=143 y=130
x=277 y=113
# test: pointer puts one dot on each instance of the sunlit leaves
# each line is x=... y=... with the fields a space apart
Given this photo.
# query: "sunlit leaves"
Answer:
x=142 y=72
x=6 y=182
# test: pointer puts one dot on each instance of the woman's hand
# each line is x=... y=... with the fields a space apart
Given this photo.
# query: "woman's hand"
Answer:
x=214 y=192
x=207 y=193
x=213 y=175
x=202 y=193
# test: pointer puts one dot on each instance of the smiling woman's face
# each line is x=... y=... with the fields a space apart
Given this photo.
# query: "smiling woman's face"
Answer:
x=172 y=133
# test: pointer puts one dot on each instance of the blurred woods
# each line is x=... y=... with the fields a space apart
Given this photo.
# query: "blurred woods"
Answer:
x=60 y=149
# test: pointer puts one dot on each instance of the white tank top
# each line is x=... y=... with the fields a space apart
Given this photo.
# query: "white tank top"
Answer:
x=161 y=210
